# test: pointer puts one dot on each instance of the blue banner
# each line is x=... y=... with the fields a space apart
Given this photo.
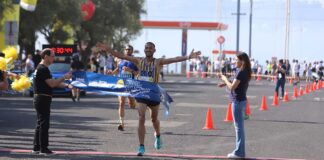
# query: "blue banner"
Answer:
x=111 y=85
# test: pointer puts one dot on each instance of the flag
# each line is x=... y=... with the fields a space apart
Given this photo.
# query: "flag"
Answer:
x=29 y=5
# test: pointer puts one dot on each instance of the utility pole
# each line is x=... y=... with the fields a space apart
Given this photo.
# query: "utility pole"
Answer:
x=238 y=26
x=250 y=33
x=287 y=30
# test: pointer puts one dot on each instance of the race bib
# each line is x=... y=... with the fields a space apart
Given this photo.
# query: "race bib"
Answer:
x=126 y=74
x=148 y=79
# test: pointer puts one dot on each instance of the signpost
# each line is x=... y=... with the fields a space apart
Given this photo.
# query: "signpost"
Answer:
x=221 y=40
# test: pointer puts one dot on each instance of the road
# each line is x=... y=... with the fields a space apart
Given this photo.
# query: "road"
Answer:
x=88 y=129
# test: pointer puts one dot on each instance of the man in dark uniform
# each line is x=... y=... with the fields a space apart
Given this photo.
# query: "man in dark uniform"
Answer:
x=42 y=86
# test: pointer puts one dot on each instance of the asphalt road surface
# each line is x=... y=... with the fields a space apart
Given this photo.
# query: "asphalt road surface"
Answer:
x=88 y=129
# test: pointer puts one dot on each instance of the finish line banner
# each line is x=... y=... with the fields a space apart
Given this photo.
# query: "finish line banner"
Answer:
x=111 y=85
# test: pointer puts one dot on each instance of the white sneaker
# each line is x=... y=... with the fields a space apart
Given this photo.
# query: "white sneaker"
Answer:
x=232 y=155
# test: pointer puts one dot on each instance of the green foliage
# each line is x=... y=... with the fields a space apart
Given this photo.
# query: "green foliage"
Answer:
x=5 y=4
x=114 y=21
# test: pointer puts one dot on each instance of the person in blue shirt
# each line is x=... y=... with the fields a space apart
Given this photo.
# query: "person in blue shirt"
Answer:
x=125 y=69
x=238 y=89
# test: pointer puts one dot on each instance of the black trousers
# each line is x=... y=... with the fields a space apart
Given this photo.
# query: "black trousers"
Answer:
x=42 y=104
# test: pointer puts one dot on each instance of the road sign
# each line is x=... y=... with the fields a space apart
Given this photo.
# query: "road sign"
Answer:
x=220 y=39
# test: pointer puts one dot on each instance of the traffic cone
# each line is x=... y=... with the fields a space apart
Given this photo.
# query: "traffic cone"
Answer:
x=314 y=86
x=295 y=92
x=229 y=116
x=306 y=89
x=263 y=104
x=301 y=92
x=188 y=74
x=286 y=97
x=291 y=81
x=319 y=84
x=310 y=88
x=259 y=78
x=247 y=110
x=209 y=120
x=203 y=75
x=275 y=99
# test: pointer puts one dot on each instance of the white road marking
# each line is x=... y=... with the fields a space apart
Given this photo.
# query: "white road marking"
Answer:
x=134 y=123
x=205 y=105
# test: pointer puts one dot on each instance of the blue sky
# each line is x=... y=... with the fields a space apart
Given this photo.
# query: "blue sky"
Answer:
x=306 y=28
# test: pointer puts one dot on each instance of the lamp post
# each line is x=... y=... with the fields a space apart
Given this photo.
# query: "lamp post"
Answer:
x=238 y=26
x=250 y=33
x=287 y=30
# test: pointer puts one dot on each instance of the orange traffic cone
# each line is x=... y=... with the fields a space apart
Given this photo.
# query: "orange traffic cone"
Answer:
x=310 y=88
x=295 y=92
x=301 y=92
x=319 y=84
x=314 y=86
x=286 y=97
x=229 y=116
x=291 y=81
x=263 y=104
x=247 y=109
x=203 y=75
x=188 y=74
x=209 y=120
x=259 y=78
x=306 y=89
x=275 y=99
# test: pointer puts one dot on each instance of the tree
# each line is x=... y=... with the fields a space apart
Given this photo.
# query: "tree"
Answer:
x=114 y=21
x=47 y=19
x=5 y=5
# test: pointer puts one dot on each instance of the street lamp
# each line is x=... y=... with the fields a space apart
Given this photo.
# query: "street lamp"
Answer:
x=250 y=33
x=287 y=30
x=238 y=26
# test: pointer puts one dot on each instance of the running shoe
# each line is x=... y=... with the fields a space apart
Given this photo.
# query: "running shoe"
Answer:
x=157 y=143
x=141 y=150
x=120 y=127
